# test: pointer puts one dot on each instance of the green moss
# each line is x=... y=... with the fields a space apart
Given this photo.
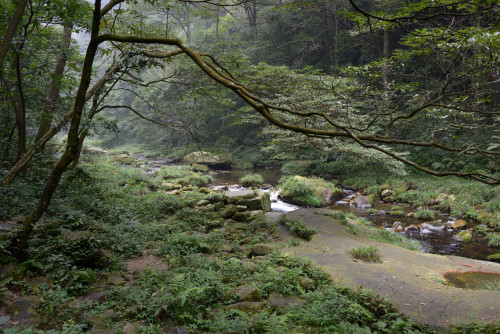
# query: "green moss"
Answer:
x=494 y=257
x=397 y=213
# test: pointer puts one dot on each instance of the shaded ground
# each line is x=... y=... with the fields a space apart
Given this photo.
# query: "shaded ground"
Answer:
x=411 y=280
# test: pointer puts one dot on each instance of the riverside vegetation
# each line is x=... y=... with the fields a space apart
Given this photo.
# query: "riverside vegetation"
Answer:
x=199 y=270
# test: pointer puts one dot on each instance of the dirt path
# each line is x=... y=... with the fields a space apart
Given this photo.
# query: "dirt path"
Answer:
x=411 y=280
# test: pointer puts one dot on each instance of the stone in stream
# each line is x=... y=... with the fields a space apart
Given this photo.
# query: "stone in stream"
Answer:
x=465 y=236
x=397 y=227
x=253 y=200
x=458 y=225
x=362 y=202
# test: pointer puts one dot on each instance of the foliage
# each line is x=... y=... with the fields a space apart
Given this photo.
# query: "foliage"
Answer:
x=424 y=214
x=252 y=180
x=390 y=237
x=493 y=239
x=366 y=253
x=297 y=227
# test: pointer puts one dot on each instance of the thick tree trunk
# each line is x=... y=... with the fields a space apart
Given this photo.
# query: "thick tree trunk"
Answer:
x=20 y=110
x=19 y=243
x=11 y=29
x=55 y=85
x=55 y=129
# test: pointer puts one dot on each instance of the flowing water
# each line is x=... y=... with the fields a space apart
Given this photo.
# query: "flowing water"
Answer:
x=434 y=239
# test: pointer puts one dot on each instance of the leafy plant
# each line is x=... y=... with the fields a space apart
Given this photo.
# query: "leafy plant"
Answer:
x=424 y=214
x=493 y=239
x=366 y=253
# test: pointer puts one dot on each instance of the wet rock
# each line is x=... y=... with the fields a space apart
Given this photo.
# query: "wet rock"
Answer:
x=257 y=200
x=412 y=227
x=124 y=159
x=447 y=225
x=261 y=249
x=458 y=225
x=246 y=293
x=284 y=303
x=397 y=227
x=307 y=284
x=362 y=202
x=465 y=236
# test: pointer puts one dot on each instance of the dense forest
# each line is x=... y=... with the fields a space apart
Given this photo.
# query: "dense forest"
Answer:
x=366 y=131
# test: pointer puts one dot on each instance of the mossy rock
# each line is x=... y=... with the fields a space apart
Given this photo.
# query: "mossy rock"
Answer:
x=124 y=159
x=300 y=190
x=494 y=257
x=397 y=213
x=465 y=236
x=209 y=159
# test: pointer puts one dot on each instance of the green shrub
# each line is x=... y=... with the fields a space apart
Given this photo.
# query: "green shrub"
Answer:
x=297 y=227
x=481 y=229
x=252 y=180
x=366 y=253
x=424 y=214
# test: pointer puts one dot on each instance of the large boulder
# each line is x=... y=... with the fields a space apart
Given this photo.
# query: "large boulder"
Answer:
x=305 y=191
x=209 y=159
x=253 y=200
x=284 y=303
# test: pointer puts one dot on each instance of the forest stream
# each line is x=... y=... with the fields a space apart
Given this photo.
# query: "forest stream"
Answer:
x=434 y=239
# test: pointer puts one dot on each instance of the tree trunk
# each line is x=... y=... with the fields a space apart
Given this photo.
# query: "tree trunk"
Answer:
x=324 y=38
x=55 y=85
x=385 y=55
x=20 y=110
x=11 y=29
x=55 y=129
x=19 y=243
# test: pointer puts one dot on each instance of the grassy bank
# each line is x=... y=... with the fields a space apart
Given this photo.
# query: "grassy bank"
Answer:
x=120 y=250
